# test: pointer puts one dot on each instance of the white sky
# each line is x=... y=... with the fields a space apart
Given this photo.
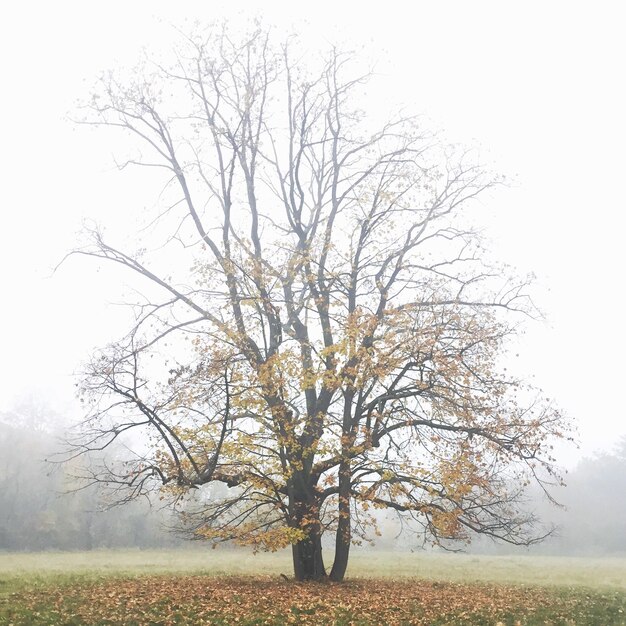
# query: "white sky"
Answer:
x=539 y=85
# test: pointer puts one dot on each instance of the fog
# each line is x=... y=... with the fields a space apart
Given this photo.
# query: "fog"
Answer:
x=534 y=87
x=44 y=507
x=538 y=89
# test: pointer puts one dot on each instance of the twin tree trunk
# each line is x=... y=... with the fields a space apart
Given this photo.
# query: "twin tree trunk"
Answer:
x=308 y=561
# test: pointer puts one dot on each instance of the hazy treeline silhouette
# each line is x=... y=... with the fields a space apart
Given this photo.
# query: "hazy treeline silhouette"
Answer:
x=594 y=521
x=591 y=520
x=42 y=507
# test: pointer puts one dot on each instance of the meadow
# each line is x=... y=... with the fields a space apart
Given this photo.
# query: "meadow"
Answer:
x=221 y=587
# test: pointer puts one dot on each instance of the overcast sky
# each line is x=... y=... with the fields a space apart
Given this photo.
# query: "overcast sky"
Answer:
x=538 y=85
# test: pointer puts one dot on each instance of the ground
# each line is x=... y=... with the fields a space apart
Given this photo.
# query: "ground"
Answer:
x=134 y=588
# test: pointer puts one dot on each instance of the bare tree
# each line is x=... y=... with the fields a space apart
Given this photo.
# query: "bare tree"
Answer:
x=334 y=345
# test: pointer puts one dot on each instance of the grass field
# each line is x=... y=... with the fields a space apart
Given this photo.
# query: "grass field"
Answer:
x=200 y=586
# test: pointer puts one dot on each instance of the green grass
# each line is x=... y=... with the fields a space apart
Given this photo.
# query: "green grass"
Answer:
x=575 y=591
x=598 y=573
x=607 y=573
x=25 y=569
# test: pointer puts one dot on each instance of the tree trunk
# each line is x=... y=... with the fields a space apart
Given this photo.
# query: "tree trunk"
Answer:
x=308 y=563
x=344 y=530
x=342 y=552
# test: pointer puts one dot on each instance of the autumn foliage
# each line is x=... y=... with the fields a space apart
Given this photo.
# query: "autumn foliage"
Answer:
x=170 y=600
x=326 y=340
x=173 y=600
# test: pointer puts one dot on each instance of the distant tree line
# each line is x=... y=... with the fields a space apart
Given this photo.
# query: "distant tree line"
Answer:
x=594 y=518
x=40 y=508
x=591 y=520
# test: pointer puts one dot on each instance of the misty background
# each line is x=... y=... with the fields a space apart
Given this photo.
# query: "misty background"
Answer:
x=44 y=507
x=538 y=87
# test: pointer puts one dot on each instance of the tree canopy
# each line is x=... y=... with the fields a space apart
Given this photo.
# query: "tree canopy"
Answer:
x=321 y=332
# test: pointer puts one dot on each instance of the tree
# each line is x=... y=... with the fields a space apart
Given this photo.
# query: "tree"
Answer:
x=594 y=522
x=42 y=506
x=334 y=345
